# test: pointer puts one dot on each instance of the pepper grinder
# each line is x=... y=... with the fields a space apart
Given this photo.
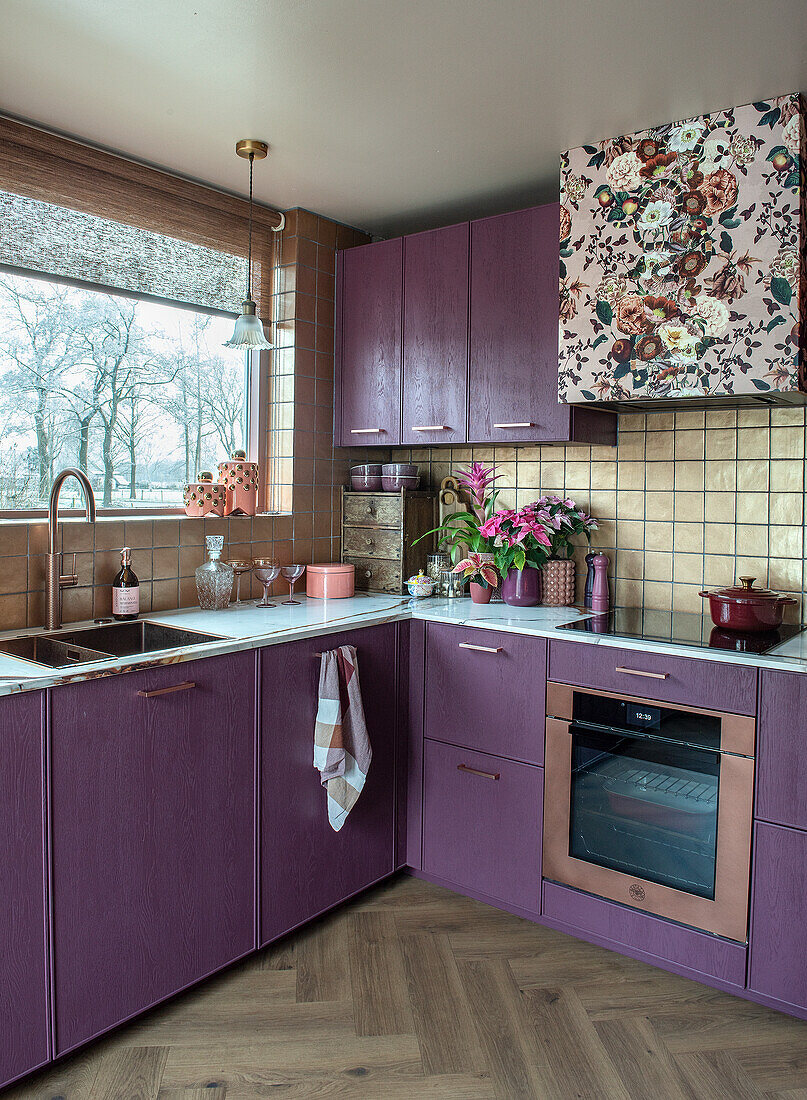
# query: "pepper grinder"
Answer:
x=600 y=599
x=589 y=579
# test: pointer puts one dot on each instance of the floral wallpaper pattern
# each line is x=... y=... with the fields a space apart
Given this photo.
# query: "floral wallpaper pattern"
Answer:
x=682 y=258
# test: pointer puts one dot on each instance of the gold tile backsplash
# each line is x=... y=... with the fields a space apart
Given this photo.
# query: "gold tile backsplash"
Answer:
x=686 y=499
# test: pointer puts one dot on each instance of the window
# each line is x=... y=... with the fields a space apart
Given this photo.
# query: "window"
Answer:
x=138 y=393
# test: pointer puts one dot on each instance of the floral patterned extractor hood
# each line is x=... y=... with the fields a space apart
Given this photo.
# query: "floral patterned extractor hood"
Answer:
x=682 y=259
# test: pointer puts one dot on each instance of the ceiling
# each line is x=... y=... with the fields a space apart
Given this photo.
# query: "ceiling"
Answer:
x=390 y=115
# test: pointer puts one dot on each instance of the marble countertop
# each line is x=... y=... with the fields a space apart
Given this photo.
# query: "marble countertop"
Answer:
x=249 y=627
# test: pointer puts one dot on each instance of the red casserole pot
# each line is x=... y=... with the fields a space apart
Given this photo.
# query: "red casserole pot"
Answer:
x=747 y=608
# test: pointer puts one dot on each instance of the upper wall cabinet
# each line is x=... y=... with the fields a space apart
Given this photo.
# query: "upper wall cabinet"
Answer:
x=435 y=336
x=450 y=336
x=682 y=261
x=368 y=345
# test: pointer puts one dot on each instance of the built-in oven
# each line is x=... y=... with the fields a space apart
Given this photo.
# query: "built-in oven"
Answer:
x=650 y=804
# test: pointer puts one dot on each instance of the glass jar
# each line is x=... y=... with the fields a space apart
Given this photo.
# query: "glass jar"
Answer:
x=452 y=584
x=214 y=579
x=435 y=564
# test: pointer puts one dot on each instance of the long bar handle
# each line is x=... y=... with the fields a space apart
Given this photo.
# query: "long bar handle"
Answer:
x=431 y=428
x=641 y=672
x=186 y=686
x=481 y=648
x=366 y=431
x=476 y=771
x=526 y=424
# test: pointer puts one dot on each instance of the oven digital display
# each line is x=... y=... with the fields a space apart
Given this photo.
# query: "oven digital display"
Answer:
x=641 y=716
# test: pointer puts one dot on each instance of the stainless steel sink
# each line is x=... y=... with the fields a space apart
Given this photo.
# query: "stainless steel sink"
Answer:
x=63 y=648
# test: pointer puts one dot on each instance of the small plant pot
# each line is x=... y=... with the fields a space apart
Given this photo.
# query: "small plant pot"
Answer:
x=480 y=594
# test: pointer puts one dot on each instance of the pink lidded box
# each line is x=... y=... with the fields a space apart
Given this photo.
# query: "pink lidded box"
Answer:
x=329 y=580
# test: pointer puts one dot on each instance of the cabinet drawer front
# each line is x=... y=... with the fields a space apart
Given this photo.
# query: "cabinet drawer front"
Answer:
x=486 y=690
x=378 y=574
x=373 y=509
x=710 y=684
x=372 y=542
x=781 y=763
x=482 y=823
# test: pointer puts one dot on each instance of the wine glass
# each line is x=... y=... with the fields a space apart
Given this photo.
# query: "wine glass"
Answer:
x=239 y=566
x=266 y=570
x=292 y=574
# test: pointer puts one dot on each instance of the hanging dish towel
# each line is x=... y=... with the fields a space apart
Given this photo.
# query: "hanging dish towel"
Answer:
x=342 y=751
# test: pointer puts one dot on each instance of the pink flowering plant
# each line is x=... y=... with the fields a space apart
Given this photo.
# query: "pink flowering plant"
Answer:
x=564 y=520
x=463 y=529
x=519 y=538
x=479 y=570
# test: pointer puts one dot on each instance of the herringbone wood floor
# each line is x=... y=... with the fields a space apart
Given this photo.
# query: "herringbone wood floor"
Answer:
x=415 y=992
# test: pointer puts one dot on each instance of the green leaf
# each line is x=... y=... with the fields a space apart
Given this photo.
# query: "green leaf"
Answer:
x=771 y=117
x=792 y=180
x=519 y=558
x=777 y=320
x=589 y=396
x=760 y=385
x=780 y=289
x=728 y=215
x=599 y=341
x=725 y=242
x=621 y=370
x=776 y=149
x=732 y=223
x=605 y=313
x=562 y=269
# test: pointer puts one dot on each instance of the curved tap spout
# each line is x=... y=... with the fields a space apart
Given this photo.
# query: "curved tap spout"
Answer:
x=54 y=580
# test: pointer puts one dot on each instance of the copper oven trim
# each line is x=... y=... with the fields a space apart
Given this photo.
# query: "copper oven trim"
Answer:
x=737 y=731
x=726 y=915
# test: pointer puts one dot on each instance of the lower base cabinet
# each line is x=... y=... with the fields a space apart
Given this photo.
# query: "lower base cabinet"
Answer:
x=306 y=866
x=778 y=949
x=23 y=971
x=482 y=823
x=153 y=824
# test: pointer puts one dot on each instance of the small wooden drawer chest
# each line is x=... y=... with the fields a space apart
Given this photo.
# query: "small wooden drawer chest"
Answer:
x=378 y=530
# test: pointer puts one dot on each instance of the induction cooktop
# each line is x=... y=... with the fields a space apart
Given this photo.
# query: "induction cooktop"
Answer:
x=679 y=627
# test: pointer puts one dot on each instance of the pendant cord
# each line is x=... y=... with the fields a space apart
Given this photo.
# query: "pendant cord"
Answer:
x=249 y=252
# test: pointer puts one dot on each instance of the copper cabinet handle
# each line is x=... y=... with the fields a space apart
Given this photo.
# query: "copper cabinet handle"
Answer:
x=641 y=672
x=431 y=428
x=480 y=648
x=366 y=431
x=526 y=424
x=186 y=686
x=476 y=771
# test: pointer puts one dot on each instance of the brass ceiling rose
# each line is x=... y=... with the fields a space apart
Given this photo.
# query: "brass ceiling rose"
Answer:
x=247 y=146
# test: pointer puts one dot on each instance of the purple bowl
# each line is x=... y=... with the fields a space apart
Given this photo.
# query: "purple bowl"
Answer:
x=394 y=484
x=368 y=468
x=366 y=483
x=399 y=469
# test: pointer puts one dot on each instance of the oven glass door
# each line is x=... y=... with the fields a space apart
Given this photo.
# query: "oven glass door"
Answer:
x=645 y=806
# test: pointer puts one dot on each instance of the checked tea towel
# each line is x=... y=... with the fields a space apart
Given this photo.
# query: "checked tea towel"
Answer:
x=342 y=751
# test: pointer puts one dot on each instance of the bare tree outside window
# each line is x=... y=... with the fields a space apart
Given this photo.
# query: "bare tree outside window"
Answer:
x=139 y=395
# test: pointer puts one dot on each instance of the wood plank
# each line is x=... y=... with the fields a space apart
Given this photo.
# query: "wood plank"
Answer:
x=134 y=1073
x=378 y=980
x=280 y=955
x=740 y=1025
x=774 y=1068
x=647 y=993
x=571 y=1047
x=322 y=960
x=715 y=1075
x=641 y=1060
x=443 y=1023
x=504 y=1031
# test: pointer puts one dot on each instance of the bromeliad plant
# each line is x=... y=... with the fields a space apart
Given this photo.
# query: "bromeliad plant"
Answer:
x=463 y=529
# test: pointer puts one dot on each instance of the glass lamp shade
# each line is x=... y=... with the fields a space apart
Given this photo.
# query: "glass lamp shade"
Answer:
x=248 y=331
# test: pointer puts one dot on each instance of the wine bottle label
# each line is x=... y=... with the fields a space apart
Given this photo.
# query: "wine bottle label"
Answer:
x=126 y=601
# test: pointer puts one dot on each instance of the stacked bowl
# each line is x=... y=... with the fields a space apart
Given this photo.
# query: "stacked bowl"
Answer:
x=399 y=475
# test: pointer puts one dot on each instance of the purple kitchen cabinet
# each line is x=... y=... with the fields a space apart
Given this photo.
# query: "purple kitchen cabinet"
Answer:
x=23 y=974
x=486 y=690
x=781 y=763
x=306 y=866
x=513 y=375
x=368 y=345
x=778 y=970
x=482 y=823
x=435 y=336
x=153 y=825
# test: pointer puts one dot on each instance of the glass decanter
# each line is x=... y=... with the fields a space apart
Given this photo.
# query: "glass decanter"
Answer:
x=214 y=579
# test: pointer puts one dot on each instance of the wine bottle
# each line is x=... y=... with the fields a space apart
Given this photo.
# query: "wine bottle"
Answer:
x=125 y=589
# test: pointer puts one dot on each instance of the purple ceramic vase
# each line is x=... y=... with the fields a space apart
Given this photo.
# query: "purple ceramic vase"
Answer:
x=522 y=588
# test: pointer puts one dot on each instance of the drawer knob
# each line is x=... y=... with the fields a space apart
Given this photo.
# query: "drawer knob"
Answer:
x=480 y=648
x=370 y=542
x=368 y=573
x=476 y=771
x=641 y=672
x=167 y=691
